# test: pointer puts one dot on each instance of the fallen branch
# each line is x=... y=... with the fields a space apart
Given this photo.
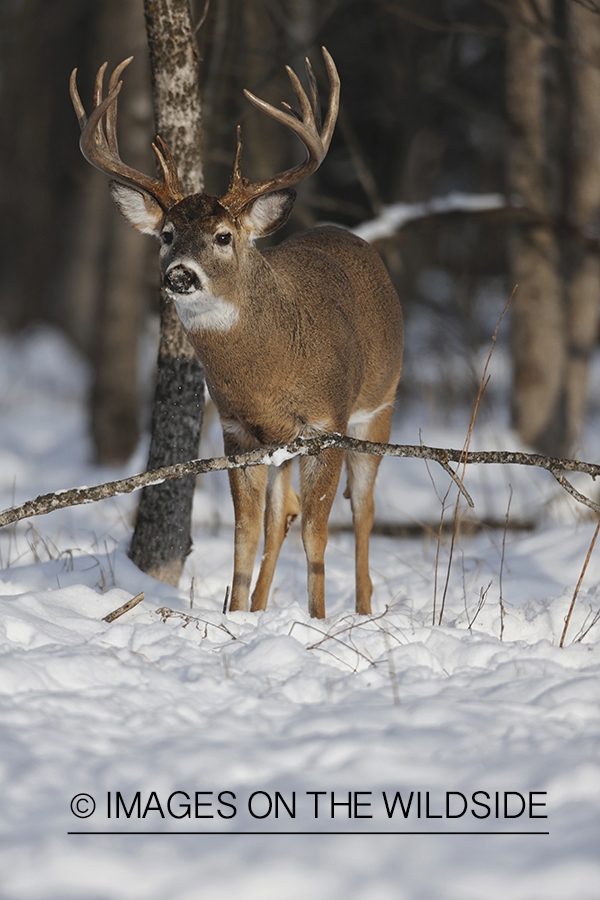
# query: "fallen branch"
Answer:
x=125 y=608
x=302 y=447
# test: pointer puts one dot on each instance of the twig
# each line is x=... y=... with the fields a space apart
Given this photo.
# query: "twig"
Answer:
x=483 y=592
x=585 y=565
x=330 y=637
x=391 y=668
x=325 y=650
x=123 y=609
x=581 y=498
x=439 y=534
x=165 y=612
x=46 y=503
x=226 y=600
x=502 y=563
x=583 y=630
x=482 y=386
x=202 y=18
x=458 y=482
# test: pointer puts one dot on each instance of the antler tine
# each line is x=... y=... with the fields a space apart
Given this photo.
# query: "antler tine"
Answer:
x=99 y=85
x=291 y=110
x=76 y=100
x=306 y=125
x=306 y=108
x=111 y=113
x=168 y=167
x=93 y=143
x=314 y=93
x=236 y=175
x=98 y=141
x=334 y=98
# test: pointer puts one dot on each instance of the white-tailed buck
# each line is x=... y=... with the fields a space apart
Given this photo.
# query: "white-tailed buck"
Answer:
x=301 y=339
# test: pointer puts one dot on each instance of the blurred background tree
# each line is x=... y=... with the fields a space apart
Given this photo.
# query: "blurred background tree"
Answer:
x=471 y=96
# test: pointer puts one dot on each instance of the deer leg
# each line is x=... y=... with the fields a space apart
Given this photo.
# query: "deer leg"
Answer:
x=248 y=487
x=319 y=478
x=282 y=508
x=362 y=471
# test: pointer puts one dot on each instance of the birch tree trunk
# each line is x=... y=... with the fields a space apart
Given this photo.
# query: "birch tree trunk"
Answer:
x=162 y=536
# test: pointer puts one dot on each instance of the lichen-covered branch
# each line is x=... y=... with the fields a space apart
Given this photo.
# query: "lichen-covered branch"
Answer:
x=302 y=447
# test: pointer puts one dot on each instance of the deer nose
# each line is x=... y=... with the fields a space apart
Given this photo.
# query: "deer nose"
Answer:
x=181 y=280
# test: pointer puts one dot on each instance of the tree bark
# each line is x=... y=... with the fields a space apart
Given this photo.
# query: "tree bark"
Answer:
x=121 y=275
x=583 y=212
x=554 y=169
x=162 y=536
x=537 y=315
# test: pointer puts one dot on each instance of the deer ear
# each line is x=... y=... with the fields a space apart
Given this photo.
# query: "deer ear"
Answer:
x=267 y=213
x=140 y=209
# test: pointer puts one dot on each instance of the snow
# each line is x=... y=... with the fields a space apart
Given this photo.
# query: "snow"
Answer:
x=208 y=729
x=394 y=217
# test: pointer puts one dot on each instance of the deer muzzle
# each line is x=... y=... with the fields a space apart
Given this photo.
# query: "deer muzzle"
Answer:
x=181 y=280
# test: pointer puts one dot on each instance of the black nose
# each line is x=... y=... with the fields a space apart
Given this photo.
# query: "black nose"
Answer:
x=181 y=280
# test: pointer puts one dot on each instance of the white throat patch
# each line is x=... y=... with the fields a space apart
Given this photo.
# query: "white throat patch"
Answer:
x=200 y=310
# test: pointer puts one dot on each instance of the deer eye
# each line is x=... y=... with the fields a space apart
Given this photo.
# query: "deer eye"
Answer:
x=167 y=237
x=223 y=238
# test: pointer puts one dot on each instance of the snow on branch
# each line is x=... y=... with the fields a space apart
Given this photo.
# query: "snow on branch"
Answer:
x=393 y=218
x=304 y=447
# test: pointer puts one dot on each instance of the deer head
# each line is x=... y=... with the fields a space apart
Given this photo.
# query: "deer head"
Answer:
x=145 y=201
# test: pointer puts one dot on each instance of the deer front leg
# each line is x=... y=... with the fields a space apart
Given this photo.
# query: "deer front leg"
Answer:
x=319 y=478
x=282 y=508
x=362 y=471
x=248 y=487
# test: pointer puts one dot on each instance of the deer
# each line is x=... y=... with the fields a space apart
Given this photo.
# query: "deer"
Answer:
x=297 y=340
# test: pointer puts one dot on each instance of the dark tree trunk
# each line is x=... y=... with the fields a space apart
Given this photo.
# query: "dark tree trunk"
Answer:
x=583 y=211
x=537 y=313
x=121 y=271
x=162 y=536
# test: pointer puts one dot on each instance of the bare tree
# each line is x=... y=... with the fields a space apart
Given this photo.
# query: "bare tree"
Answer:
x=553 y=91
x=106 y=285
x=537 y=315
x=162 y=536
x=583 y=214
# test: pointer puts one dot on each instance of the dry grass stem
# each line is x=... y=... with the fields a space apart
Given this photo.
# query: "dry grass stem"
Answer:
x=585 y=565
x=502 y=611
x=482 y=386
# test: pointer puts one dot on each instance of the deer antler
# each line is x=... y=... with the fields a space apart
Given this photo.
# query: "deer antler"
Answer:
x=306 y=124
x=99 y=146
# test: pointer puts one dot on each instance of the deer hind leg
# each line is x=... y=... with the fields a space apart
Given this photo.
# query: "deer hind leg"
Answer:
x=282 y=508
x=362 y=471
x=319 y=478
x=248 y=488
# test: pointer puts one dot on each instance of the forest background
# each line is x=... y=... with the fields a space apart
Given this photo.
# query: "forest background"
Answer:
x=464 y=97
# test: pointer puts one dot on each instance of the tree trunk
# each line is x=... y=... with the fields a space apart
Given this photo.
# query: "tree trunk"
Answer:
x=583 y=212
x=122 y=269
x=537 y=316
x=162 y=536
x=554 y=168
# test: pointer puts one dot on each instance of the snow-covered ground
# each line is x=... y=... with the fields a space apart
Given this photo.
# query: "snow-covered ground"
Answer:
x=456 y=761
